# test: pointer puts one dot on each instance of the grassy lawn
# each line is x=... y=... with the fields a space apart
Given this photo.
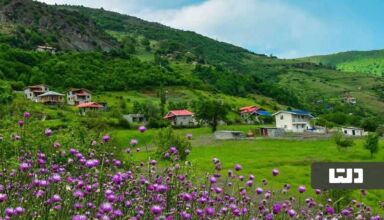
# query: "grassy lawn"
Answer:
x=258 y=157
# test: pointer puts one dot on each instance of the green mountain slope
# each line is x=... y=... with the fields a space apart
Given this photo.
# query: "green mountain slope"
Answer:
x=371 y=62
x=27 y=24
x=148 y=55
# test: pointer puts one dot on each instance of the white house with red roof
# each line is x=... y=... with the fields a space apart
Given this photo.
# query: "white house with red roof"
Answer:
x=32 y=92
x=182 y=118
x=78 y=96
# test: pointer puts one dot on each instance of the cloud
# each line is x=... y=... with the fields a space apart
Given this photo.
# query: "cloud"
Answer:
x=262 y=26
x=265 y=26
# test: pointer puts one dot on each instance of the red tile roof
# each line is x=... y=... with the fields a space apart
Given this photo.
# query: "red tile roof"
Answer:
x=90 y=105
x=249 y=109
x=182 y=112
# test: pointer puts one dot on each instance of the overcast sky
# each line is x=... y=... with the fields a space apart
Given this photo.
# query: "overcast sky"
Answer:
x=286 y=28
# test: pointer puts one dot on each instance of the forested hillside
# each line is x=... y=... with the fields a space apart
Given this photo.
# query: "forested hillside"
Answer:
x=371 y=62
x=107 y=51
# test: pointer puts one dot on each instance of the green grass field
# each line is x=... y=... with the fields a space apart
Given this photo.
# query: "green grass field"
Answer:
x=258 y=157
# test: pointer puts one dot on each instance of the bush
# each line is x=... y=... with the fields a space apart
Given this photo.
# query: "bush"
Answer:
x=167 y=138
x=343 y=142
x=157 y=123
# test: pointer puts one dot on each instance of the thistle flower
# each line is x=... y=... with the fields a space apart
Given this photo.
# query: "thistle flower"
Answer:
x=275 y=172
x=27 y=115
x=142 y=129
x=79 y=217
x=21 y=123
x=24 y=166
x=3 y=197
x=329 y=210
x=19 y=210
x=106 y=138
x=276 y=208
x=106 y=207
x=259 y=190
x=156 y=210
x=10 y=212
x=212 y=180
x=302 y=189
x=185 y=215
x=189 y=136
x=238 y=167
x=291 y=213
x=133 y=142
x=345 y=212
x=47 y=132
x=56 y=145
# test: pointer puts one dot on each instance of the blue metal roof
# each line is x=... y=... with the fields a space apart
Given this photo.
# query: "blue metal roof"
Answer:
x=299 y=112
x=263 y=113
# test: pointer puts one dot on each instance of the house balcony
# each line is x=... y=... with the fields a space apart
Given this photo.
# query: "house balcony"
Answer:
x=299 y=121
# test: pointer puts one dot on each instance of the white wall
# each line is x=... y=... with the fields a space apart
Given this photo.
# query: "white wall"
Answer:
x=292 y=122
x=183 y=121
x=353 y=132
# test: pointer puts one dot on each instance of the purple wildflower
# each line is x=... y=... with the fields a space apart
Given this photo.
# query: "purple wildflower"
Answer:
x=142 y=129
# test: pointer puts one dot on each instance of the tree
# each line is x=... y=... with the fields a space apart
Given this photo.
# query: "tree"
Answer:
x=372 y=143
x=163 y=99
x=370 y=124
x=211 y=111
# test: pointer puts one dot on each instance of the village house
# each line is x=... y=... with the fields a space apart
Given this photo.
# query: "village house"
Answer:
x=349 y=99
x=352 y=131
x=51 y=98
x=135 y=118
x=250 y=114
x=78 y=96
x=45 y=48
x=31 y=92
x=89 y=106
x=182 y=118
x=294 y=120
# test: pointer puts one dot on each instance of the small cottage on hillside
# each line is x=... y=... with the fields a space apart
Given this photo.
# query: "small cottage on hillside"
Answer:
x=78 y=96
x=135 y=118
x=352 y=131
x=31 y=92
x=51 y=98
x=45 y=48
x=89 y=106
x=294 y=120
x=182 y=118
x=349 y=99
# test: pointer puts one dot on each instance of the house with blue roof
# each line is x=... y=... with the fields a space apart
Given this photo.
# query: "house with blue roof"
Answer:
x=294 y=120
x=250 y=114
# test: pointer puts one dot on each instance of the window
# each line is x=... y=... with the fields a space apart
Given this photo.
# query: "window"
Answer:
x=282 y=117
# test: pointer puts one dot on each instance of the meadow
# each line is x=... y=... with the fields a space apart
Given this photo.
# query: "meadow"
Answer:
x=259 y=156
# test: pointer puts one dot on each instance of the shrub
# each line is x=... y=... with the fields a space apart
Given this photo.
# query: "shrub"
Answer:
x=343 y=142
x=167 y=138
